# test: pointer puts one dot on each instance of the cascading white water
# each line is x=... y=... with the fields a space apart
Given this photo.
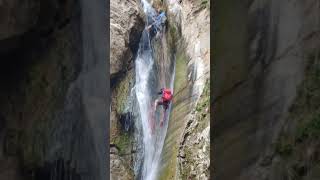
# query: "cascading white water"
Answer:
x=144 y=88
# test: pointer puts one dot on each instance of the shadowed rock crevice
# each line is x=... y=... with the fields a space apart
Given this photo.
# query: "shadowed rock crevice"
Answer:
x=126 y=25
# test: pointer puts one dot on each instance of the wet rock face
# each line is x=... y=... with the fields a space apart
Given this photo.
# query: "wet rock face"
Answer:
x=126 y=25
x=256 y=84
x=121 y=130
x=193 y=157
x=186 y=148
x=192 y=19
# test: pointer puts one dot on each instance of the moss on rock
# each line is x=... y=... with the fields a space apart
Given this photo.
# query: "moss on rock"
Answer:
x=194 y=143
x=181 y=107
x=121 y=92
x=119 y=99
x=119 y=137
x=123 y=142
x=297 y=145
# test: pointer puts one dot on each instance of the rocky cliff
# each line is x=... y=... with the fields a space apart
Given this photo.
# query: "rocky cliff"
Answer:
x=265 y=76
x=52 y=75
x=126 y=25
x=186 y=39
x=186 y=149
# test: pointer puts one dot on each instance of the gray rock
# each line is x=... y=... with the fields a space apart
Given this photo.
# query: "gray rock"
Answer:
x=126 y=25
x=258 y=82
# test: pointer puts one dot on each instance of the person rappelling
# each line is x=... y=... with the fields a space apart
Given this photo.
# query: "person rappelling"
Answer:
x=165 y=100
x=158 y=23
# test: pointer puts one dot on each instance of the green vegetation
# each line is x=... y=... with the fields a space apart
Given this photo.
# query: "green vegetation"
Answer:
x=180 y=105
x=205 y=4
x=203 y=108
x=307 y=106
x=206 y=97
x=302 y=131
x=310 y=129
x=123 y=142
x=171 y=37
x=122 y=92
x=203 y=119
x=185 y=174
x=181 y=68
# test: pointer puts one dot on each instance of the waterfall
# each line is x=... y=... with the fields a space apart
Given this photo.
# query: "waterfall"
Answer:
x=146 y=86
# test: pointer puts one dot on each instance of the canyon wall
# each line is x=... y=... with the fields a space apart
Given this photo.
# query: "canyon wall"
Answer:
x=265 y=51
x=53 y=91
x=126 y=26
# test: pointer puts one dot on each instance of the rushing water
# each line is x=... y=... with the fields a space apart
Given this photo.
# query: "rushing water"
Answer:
x=146 y=86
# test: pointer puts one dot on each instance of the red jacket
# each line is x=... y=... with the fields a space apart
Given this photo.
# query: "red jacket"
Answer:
x=166 y=95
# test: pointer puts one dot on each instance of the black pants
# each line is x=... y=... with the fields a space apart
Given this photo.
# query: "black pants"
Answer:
x=165 y=104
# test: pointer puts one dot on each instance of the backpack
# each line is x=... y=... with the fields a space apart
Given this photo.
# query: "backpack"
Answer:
x=166 y=95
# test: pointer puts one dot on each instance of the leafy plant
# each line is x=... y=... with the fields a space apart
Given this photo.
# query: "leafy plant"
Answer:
x=122 y=142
